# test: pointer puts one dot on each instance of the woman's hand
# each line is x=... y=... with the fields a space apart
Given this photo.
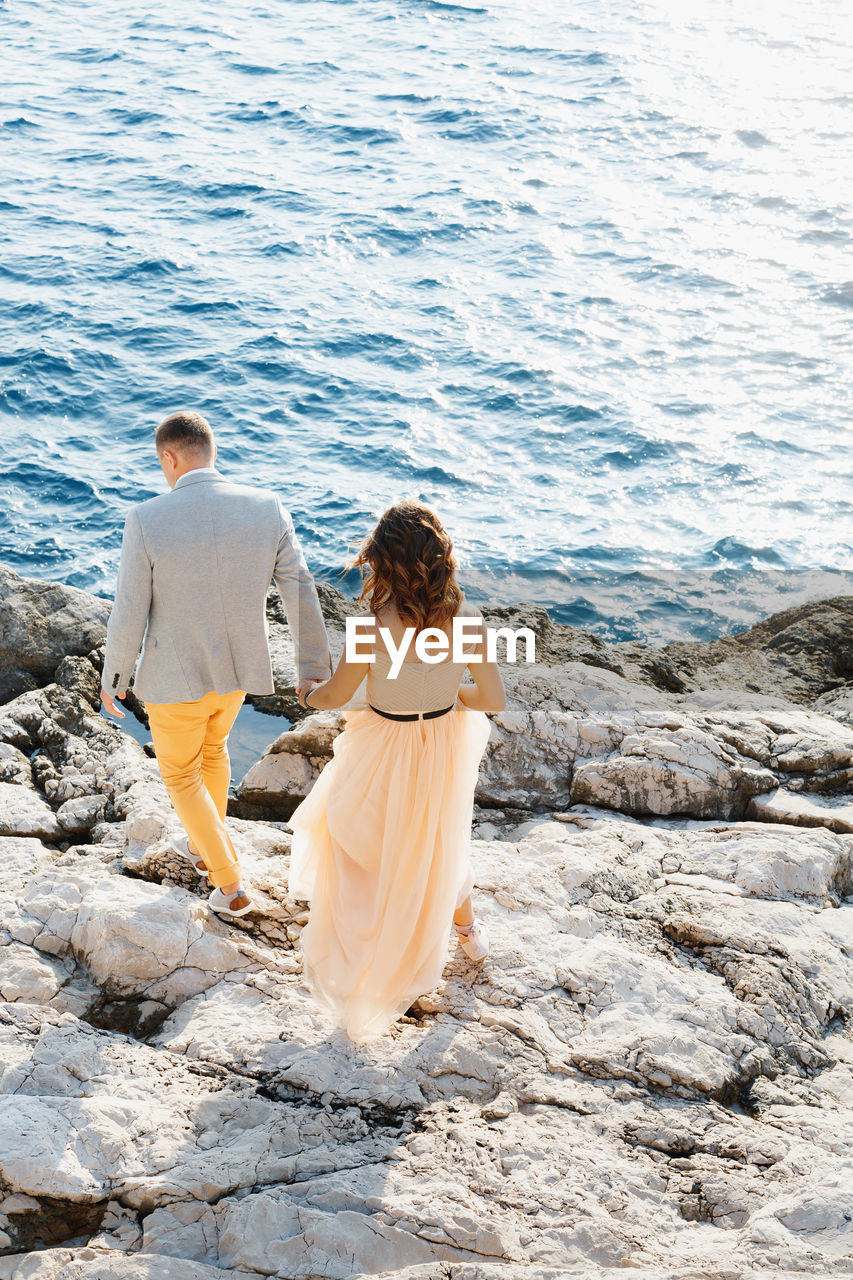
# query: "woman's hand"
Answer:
x=337 y=690
x=305 y=687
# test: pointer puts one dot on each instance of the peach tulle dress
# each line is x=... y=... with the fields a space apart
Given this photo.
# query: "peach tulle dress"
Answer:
x=381 y=845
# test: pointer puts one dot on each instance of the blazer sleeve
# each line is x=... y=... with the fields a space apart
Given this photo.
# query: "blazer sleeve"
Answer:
x=301 y=604
x=129 y=616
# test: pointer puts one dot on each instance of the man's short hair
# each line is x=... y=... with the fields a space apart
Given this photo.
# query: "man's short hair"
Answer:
x=186 y=431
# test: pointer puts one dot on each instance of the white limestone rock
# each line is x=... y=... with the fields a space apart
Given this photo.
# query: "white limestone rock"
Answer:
x=107 y=1264
x=81 y=813
x=803 y=809
x=660 y=772
x=14 y=765
x=759 y=859
x=23 y=812
x=132 y=937
x=23 y=858
x=25 y=974
x=277 y=782
x=85 y=767
x=837 y=703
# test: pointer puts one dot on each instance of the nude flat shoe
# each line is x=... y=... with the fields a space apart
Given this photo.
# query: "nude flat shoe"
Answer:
x=473 y=938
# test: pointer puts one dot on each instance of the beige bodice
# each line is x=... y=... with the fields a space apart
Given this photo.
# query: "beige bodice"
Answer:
x=419 y=686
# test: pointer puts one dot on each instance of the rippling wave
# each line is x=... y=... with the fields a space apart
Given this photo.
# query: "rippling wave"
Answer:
x=577 y=276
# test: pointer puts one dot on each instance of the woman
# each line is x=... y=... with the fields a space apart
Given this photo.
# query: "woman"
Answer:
x=381 y=844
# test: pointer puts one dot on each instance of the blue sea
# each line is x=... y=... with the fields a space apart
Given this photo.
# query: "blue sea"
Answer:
x=577 y=275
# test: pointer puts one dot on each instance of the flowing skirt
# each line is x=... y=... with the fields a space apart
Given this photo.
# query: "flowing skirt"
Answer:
x=381 y=851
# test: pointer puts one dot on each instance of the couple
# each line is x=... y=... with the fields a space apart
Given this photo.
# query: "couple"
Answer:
x=380 y=844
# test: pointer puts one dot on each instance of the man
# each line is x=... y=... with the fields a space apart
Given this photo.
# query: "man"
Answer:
x=196 y=565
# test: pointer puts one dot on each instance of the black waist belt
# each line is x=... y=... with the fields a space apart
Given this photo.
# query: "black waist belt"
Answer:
x=427 y=715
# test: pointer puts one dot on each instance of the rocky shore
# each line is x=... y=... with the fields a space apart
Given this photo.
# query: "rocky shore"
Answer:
x=650 y=1075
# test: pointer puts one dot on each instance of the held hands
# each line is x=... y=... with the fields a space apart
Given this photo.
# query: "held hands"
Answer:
x=109 y=703
x=304 y=687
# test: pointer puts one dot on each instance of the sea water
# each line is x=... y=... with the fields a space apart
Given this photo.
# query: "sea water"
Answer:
x=579 y=276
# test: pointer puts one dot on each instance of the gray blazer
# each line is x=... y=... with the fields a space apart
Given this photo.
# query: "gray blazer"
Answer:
x=196 y=565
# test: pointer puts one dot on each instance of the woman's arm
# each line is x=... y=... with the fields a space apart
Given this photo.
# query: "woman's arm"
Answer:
x=487 y=693
x=341 y=685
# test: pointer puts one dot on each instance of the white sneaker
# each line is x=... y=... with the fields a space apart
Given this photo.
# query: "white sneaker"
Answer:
x=181 y=844
x=232 y=904
x=473 y=939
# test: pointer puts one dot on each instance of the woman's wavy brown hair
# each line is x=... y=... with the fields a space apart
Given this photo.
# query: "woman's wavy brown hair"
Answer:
x=408 y=560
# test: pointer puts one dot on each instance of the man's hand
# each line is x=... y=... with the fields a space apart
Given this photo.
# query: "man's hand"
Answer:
x=109 y=703
x=303 y=687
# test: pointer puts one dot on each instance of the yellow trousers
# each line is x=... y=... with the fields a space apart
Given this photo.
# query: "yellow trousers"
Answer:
x=191 y=744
